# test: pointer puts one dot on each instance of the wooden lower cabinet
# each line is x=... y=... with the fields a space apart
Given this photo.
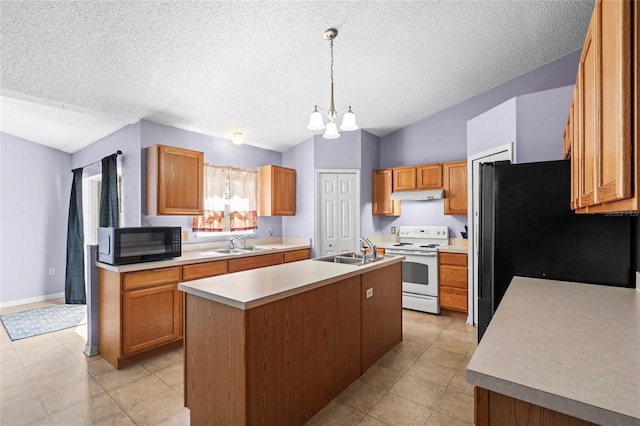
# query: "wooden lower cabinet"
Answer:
x=453 y=281
x=282 y=362
x=253 y=262
x=139 y=314
x=492 y=408
x=296 y=255
x=204 y=270
x=381 y=313
x=151 y=317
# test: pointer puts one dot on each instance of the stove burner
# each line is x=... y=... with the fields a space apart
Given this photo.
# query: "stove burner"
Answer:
x=402 y=244
x=430 y=246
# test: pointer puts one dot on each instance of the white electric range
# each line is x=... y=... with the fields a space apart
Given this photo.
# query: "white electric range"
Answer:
x=419 y=245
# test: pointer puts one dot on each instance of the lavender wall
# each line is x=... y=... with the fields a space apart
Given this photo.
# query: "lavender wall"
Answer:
x=370 y=161
x=216 y=151
x=341 y=153
x=302 y=225
x=126 y=140
x=35 y=187
x=442 y=136
x=540 y=122
x=493 y=128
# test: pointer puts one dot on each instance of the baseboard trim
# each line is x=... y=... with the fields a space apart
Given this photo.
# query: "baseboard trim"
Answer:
x=32 y=300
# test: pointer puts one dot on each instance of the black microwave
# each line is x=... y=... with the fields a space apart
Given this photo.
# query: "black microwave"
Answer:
x=119 y=246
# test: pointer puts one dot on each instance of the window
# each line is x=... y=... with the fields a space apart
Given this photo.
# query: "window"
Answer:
x=230 y=201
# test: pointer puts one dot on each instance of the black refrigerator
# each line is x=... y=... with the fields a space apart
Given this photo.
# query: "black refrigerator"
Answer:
x=527 y=228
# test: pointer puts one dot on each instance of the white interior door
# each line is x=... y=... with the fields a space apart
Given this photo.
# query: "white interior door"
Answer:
x=501 y=153
x=338 y=220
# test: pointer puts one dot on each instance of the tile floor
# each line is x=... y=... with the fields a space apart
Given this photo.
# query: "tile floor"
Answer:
x=47 y=380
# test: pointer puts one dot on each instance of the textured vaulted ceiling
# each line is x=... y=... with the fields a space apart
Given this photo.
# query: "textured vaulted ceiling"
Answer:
x=75 y=71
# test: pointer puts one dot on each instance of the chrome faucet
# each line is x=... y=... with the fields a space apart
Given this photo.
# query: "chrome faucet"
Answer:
x=235 y=240
x=372 y=248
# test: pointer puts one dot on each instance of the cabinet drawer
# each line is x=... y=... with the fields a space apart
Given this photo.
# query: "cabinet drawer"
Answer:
x=453 y=276
x=296 y=255
x=204 y=270
x=453 y=298
x=453 y=259
x=252 y=262
x=132 y=280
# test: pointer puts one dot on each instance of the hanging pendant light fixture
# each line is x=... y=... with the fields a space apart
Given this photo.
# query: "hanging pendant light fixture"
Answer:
x=316 y=121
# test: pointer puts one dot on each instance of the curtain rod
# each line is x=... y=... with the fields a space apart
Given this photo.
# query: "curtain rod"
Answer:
x=118 y=152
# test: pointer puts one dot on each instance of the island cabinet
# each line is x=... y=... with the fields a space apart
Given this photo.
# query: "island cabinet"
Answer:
x=605 y=148
x=493 y=408
x=381 y=313
x=453 y=281
x=276 y=364
x=281 y=362
x=276 y=191
x=139 y=314
x=382 y=204
x=175 y=181
x=455 y=187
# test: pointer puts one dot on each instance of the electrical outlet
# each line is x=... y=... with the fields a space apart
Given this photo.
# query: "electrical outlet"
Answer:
x=185 y=236
x=393 y=230
x=52 y=271
x=270 y=231
x=369 y=292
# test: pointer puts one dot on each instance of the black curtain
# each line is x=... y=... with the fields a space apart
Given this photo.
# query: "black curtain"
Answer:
x=109 y=192
x=74 y=290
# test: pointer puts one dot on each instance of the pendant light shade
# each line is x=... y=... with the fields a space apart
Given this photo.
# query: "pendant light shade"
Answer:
x=349 y=121
x=316 y=121
x=331 y=131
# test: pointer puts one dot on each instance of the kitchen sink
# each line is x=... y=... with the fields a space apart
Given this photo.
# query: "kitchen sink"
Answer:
x=230 y=251
x=349 y=258
x=250 y=248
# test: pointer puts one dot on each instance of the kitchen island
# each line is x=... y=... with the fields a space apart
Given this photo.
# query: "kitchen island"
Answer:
x=560 y=353
x=275 y=345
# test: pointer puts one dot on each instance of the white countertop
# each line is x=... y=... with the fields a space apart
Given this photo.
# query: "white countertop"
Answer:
x=204 y=253
x=569 y=347
x=248 y=289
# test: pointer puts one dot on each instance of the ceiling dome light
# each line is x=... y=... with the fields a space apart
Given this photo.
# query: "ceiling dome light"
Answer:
x=236 y=138
x=315 y=120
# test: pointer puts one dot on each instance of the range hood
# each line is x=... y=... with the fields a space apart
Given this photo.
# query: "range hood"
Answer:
x=419 y=195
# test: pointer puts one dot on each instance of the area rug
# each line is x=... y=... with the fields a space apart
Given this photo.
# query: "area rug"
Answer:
x=34 y=322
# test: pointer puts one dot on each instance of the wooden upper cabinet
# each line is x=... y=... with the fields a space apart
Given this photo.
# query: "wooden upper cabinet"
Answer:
x=276 y=191
x=455 y=187
x=404 y=178
x=429 y=176
x=382 y=204
x=605 y=173
x=589 y=126
x=613 y=160
x=175 y=181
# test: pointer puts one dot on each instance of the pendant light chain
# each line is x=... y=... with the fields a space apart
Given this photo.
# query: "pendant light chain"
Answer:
x=331 y=44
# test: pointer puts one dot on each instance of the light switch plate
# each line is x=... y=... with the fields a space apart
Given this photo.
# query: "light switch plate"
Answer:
x=185 y=236
x=369 y=293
